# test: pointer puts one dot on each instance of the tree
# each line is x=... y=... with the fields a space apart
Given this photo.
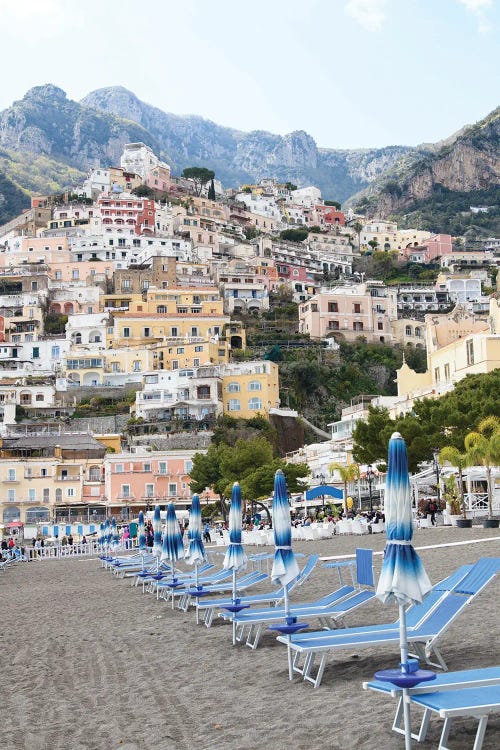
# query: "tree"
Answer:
x=260 y=483
x=373 y=243
x=290 y=186
x=450 y=454
x=334 y=204
x=199 y=175
x=483 y=449
x=143 y=191
x=358 y=228
x=211 y=190
x=294 y=235
x=348 y=473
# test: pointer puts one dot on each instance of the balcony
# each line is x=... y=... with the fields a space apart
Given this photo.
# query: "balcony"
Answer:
x=70 y=478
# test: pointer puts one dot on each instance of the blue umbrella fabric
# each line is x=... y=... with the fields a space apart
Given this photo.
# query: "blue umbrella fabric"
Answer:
x=115 y=541
x=157 y=532
x=173 y=547
x=196 y=550
x=403 y=578
x=102 y=537
x=235 y=558
x=285 y=566
x=141 y=531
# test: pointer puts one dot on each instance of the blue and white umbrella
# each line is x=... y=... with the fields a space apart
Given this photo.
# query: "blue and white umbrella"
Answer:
x=115 y=540
x=285 y=567
x=173 y=547
x=403 y=578
x=107 y=536
x=196 y=550
x=141 y=533
x=235 y=558
x=157 y=532
x=101 y=535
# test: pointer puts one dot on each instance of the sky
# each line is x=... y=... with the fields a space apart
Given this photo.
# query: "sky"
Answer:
x=351 y=73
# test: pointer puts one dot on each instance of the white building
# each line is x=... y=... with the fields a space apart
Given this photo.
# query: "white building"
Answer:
x=140 y=159
x=191 y=393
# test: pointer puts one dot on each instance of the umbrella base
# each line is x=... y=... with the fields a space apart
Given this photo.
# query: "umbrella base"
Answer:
x=235 y=608
x=290 y=628
x=404 y=679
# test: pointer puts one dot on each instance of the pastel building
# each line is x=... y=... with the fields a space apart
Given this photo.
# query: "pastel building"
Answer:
x=250 y=388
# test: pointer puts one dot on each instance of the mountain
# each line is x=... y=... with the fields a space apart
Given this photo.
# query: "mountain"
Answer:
x=13 y=200
x=239 y=157
x=70 y=137
x=433 y=188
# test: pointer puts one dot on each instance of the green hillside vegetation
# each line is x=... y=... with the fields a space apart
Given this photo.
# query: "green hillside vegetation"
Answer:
x=38 y=174
x=449 y=212
x=433 y=423
x=13 y=200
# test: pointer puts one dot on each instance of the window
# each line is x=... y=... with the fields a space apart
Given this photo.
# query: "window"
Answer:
x=118 y=468
x=255 y=403
x=32 y=494
x=39 y=397
x=470 y=352
x=194 y=331
x=137 y=365
x=234 y=404
x=447 y=372
x=175 y=364
x=174 y=331
x=357 y=326
x=115 y=367
x=333 y=325
x=11 y=475
x=125 y=283
x=70 y=492
x=36 y=352
x=125 y=491
x=162 y=467
x=255 y=385
x=149 y=490
x=43 y=472
x=418 y=332
x=409 y=331
x=55 y=352
x=380 y=325
x=161 y=309
x=180 y=350
x=126 y=333
x=11 y=496
x=147 y=333
x=437 y=375
x=146 y=467
x=75 y=274
x=333 y=307
x=172 y=490
x=233 y=387
x=46 y=495
x=196 y=362
x=357 y=307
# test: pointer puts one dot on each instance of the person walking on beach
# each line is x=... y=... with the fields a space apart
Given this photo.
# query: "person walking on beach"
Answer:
x=206 y=533
x=432 y=508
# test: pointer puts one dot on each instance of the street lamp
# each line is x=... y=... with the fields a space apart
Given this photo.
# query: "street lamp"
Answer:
x=322 y=480
x=369 y=476
x=435 y=455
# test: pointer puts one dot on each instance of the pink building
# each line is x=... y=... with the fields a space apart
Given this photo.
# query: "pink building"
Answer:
x=125 y=212
x=139 y=482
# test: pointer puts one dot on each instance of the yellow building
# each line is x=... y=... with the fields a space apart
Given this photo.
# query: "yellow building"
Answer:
x=51 y=477
x=250 y=388
x=458 y=344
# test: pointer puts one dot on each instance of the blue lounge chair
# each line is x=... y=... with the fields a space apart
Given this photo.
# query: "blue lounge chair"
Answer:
x=434 y=616
x=330 y=610
x=470 y=692
x=211 y=606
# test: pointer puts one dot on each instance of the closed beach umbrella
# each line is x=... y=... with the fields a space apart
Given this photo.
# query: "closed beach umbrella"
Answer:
x=107 y=535
x=115 y=541
x=196 y=551
x=157 y=532
x=101 y=535
x=402 y=579
x=173 y=547
x=235 y=558
x=141 y=531
x=285 y=567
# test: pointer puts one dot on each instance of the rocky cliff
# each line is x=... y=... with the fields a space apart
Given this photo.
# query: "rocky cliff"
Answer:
x=469 y=162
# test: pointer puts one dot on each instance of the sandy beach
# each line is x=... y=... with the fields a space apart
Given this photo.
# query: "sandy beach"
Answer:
x=89 y=663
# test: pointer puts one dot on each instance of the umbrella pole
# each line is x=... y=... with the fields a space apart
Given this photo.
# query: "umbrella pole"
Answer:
x=289 y=650
x=173 y=580
x=234 y=602
x=197 y=598
x=403 y=641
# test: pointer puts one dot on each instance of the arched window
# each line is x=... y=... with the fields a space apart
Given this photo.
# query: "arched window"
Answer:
x=409 y=331
x=94 y=474
x=255 y=385
x=77 y=338
x=233 y=387
x=418 y=332
x=234 y=404
x=95 y=337
x=255 y=403
x=59 y=495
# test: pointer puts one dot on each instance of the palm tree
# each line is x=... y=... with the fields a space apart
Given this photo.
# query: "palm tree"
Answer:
x=348 y=473
x=450 y=454
x=483 y=449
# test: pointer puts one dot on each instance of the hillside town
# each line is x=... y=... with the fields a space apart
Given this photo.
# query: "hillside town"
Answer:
x=135 y=288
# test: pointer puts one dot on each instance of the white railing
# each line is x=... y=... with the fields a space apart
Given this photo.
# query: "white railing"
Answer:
x=63 y=552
